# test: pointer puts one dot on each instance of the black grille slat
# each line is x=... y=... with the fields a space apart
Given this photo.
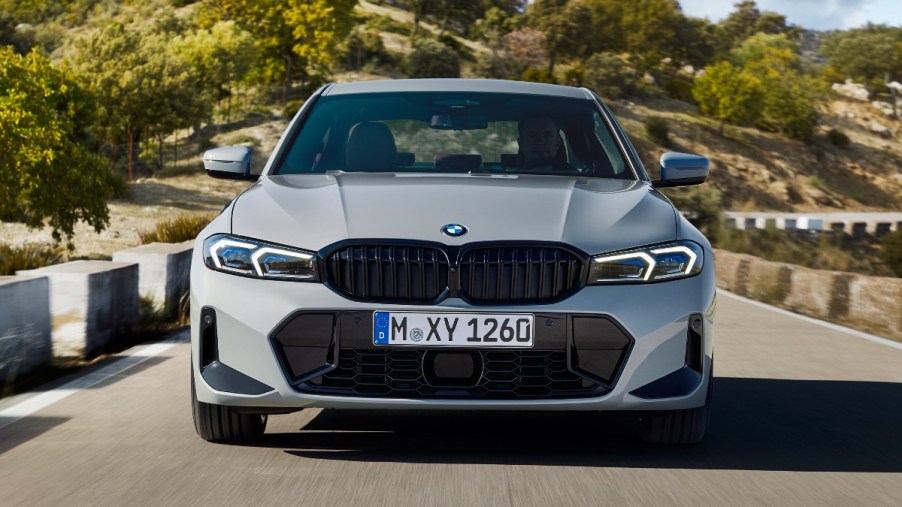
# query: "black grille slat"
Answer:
x=389 y=273
x=516 y=274
x=487 y=275
x=506 y=375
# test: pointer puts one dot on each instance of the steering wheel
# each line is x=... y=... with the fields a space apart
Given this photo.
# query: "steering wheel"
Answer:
x=558 y=165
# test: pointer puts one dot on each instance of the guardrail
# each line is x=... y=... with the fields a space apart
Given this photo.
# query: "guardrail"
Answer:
x=78 y=308
x=854 y=224
x=870 y=303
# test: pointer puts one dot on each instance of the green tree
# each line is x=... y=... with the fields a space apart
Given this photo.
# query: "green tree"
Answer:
x=144 y=87
x=790 y=97
x=650 y=28
x=729 y=93
x=747 y=20
x=563 y=23
x=293 y=38
x=221 y=56
x=45 y=129
x=610 y=75
x=865 y=54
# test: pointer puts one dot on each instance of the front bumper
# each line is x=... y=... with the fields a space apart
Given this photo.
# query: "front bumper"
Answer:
x=249 y=312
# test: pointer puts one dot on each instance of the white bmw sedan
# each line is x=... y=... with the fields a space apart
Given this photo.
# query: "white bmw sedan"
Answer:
x=452 y=244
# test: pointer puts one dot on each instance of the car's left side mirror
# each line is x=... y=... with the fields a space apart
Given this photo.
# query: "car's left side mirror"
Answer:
x=230 y=163
x=682 y=169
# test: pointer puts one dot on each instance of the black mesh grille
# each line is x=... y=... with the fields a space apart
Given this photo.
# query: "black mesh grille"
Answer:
x=390 y=273
x=512 y=274
x=399 y=374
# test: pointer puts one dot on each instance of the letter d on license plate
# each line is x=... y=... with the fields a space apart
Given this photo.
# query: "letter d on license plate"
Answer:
x=453 y=329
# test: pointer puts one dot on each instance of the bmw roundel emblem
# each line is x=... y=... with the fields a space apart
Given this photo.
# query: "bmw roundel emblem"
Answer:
x=454 y=230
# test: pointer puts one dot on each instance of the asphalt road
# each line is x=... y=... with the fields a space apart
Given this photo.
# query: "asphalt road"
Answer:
x=803 y=415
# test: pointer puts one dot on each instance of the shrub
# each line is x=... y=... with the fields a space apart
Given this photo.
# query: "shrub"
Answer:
x=610 y=76
x=175 y=230
x=838 y=138
x=658 y=131
x=432 y=59
x=28 y=256
x=680 y=88
x=535 y=75
x=704 y=207
x=362 y=47
x=891 y=251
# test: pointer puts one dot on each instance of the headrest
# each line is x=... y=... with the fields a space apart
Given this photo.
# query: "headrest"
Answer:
x=371 y=147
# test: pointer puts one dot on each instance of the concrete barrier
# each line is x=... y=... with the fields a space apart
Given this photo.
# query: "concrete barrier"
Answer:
x=24 y=326
x=870 y=303
x=92 y=303
x=163 y=270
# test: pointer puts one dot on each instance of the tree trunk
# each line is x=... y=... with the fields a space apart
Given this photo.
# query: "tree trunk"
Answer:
x=550 y=63
x=416 y=21
x=720 y=128
x=160 y=152
x=444 y=23
x=287 y=83
x=131 y=155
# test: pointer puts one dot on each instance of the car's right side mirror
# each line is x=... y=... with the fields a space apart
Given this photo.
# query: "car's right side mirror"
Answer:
x=230 y=163
x=682 y=169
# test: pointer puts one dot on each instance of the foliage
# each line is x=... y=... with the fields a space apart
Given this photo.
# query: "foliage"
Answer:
x=45 y=136
x=680 y=88
x=221 y=55
x=789 y=96
x=175 y=230
x=535 y=75
x=891 y=251
x=143 y=88
x=293 y=40
x=610 y=76
x=430 y=58
x=364 y=47
x=838 y=138
x=704 y=205
x=658 y=131
x=865 y=54
x=562 y=22
x=28 y=256
x=747 y=20
x=729 y=93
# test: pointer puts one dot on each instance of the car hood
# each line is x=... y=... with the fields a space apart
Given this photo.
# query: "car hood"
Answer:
x=316 y=210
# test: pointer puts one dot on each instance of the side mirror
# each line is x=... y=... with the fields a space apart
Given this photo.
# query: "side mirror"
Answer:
x=229 y=163
x=682 y=169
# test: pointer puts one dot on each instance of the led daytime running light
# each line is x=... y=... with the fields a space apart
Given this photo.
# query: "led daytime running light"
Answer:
x=223 y=243
x=255 y=257
x=680 y=249
x=648 y=259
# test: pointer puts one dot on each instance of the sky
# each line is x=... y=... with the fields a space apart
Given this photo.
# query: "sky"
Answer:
x=813 y=14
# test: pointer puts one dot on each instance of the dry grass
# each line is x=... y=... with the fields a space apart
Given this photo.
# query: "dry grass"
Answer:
x=175 y=230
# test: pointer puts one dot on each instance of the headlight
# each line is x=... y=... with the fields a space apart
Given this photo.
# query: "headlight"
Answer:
x=651 y=264
x=248 y=257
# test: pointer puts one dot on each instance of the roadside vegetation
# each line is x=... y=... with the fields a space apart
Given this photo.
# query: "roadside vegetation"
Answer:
x=176 y=230
x=100 y=97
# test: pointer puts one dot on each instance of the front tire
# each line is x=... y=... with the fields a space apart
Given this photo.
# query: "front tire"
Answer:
x=223 y=425
x=678 y=426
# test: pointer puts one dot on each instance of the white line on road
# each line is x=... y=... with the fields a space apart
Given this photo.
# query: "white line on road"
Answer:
x=43 y=400
x=828 y=325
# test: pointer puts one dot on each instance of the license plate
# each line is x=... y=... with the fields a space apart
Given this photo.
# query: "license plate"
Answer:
x=453 y=329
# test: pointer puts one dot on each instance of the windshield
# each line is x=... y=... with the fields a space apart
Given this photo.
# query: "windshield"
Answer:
x=454 y=132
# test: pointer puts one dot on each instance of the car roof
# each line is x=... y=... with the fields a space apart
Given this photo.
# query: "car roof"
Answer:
x=455 y=85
